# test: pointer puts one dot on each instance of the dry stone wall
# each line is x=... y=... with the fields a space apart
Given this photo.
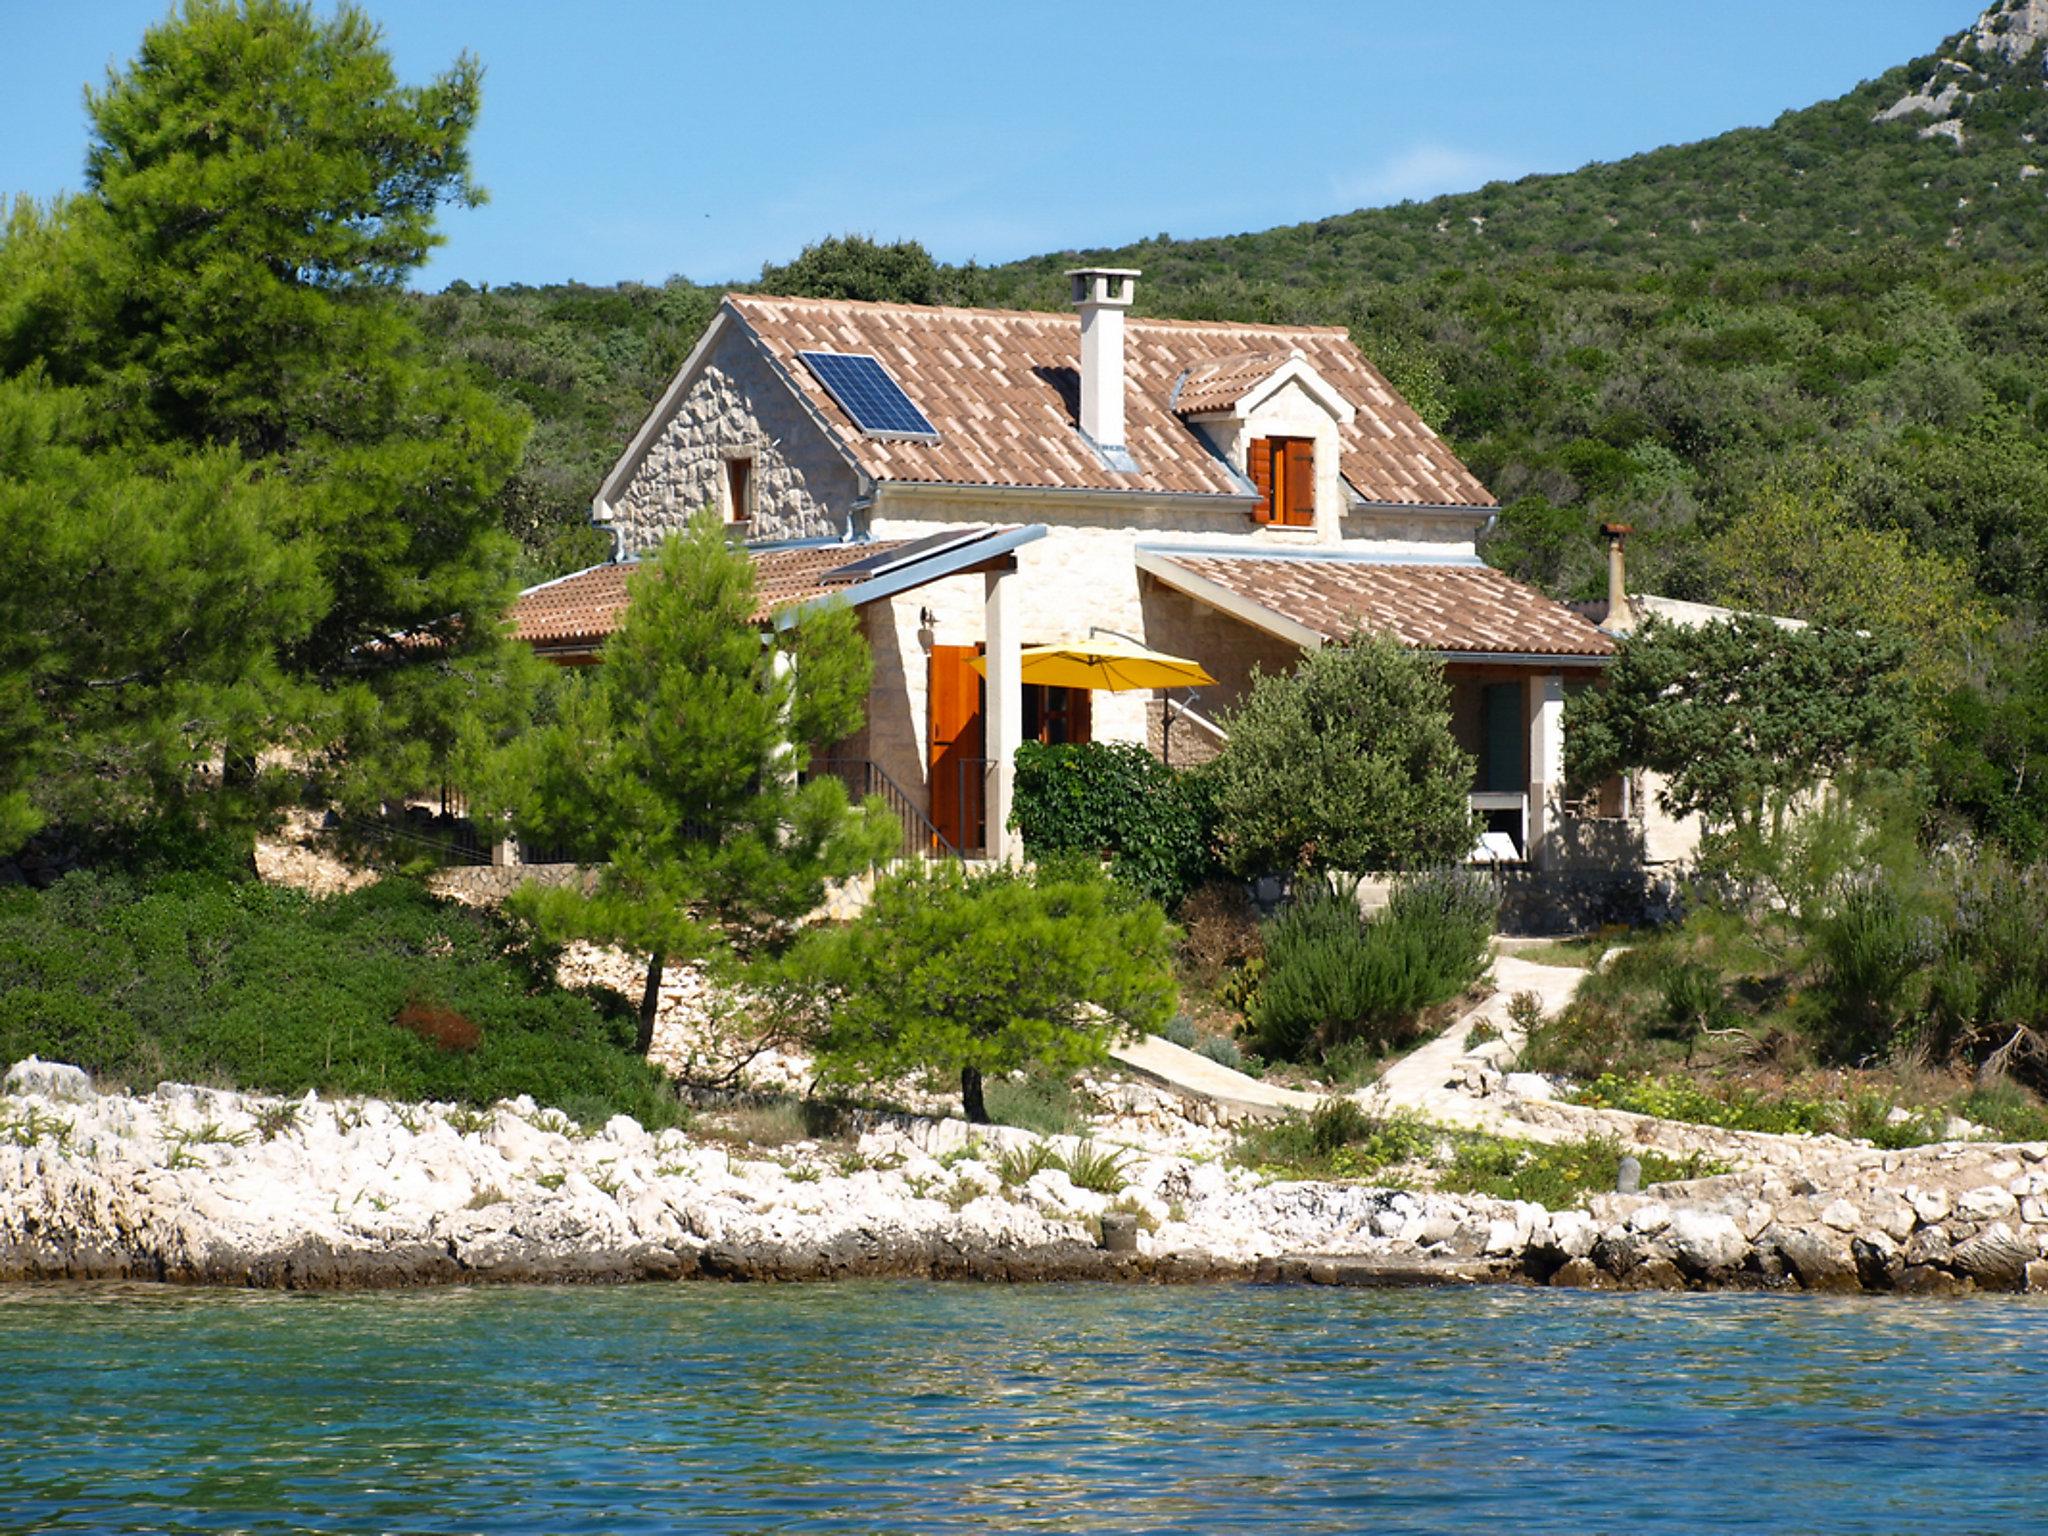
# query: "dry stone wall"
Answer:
x=739 y=407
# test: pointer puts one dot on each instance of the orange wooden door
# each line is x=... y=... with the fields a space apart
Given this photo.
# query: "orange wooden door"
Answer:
x=956 y=745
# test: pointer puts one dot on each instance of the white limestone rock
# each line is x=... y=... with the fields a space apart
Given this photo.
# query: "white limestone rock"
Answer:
x=56 y=1081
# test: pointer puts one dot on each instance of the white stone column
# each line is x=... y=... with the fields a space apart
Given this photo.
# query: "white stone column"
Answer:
x=1002 y=722
x=782 y=665
x=1546 y=765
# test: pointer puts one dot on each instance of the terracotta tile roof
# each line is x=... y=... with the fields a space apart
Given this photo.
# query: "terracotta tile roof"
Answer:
x=1461 y=608
x=1218 y=385
x=587 y=605
x=1002 y=388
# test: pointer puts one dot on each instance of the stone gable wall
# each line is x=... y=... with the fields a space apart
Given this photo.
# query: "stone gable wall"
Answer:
x=739 y=406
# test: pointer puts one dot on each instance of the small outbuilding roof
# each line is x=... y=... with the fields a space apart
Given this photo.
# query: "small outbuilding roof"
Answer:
x=1457 y=608
x=576 y=612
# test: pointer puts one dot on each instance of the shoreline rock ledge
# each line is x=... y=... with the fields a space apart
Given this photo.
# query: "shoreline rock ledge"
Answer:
x=204 y=1186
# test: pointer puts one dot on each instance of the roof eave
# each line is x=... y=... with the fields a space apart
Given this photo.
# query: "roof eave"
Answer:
x=1076 y=495
x=948 y=562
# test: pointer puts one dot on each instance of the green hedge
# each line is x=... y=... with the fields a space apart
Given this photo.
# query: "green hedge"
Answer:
x=1110 y=798
x=199 y=978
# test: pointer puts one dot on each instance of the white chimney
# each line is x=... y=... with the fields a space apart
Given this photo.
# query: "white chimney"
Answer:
x=1621 y=616
x=1102 y=294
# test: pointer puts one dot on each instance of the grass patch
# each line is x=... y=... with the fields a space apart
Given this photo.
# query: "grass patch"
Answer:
x=1868 y=1114
x=1582 y=953
x=774 y=1123
x=1341 y=1141
x=1037 y=1102
x=386 y=992
x=2007 y=1109
x=1555 y=1176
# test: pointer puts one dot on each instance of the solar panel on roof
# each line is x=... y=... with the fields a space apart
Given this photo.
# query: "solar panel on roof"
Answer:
x=865 y=391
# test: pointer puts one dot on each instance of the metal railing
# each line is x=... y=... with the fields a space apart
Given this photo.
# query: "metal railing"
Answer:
x=918 y=836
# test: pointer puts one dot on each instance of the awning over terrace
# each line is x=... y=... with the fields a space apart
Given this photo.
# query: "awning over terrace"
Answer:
x=569 y=618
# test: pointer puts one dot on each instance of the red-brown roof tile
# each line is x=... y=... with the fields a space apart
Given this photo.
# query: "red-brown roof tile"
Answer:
x=1002 y=388
x=587 y=606
x=1454 y=608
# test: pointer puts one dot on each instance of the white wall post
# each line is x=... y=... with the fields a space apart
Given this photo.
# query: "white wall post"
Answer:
x=1546 y=765
x=1003 y=719
x=782 y=666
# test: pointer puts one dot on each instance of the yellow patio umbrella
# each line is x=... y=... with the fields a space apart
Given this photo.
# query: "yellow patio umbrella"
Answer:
x=1114 y=666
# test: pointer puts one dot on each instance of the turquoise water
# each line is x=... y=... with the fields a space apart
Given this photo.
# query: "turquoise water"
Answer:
x=1056 y=1408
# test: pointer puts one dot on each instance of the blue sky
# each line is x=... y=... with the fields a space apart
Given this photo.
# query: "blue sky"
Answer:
x=644 y=138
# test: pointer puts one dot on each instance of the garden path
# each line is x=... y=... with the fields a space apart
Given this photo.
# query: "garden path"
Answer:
x=1190 y=1072
x=1436 y=1080
x=1428 y=1081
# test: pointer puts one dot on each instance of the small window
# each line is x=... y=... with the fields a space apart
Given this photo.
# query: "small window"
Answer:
x=1284 y=470
x=1057 y=716
x=739 y=490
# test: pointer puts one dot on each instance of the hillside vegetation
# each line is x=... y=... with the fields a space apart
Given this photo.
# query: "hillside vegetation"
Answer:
x=1846 y=306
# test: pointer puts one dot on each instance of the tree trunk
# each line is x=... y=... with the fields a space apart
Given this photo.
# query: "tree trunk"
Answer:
x=971 y=1102
x=650 y=1000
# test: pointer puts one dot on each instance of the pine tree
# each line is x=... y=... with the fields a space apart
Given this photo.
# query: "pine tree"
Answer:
x=677 y=764
x=985 y=974
x=225 y=294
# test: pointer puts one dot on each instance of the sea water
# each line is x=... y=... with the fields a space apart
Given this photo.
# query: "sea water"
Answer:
x=906 y=1407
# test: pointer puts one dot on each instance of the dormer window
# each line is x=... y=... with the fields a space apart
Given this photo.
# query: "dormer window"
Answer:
x=1284 y=470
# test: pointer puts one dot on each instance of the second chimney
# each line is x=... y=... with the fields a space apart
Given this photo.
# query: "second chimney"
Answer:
x=1621 y=618
x=1102 y=294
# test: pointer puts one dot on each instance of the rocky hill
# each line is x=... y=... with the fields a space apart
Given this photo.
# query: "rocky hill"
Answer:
x=1948 y=150
x=1847 y=307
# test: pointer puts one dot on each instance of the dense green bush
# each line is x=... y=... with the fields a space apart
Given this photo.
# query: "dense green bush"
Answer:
x=1989 y=993
x=1871 y=949
x=198 y=978
x=1097 y=798
x=1332 y=977
x=1346 y=764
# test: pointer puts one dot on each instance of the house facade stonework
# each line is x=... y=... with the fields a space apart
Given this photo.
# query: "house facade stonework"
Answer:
x=1271 y=494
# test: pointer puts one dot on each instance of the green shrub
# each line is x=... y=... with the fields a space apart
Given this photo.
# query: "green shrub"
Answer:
x=1115 y=799
x=1222 y=1051
x=1312 y=988
x=1346 y=764
x=2004 y=1107
x=1180 y=1031
x=1100 y=1169
x=1331 y=976
x=1337 y=1139
x=1991 y=979
x=1871 y=952
x=1020 y=1165
x=201 y=978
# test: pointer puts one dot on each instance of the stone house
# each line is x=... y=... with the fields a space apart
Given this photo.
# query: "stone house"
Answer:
x=976 y=482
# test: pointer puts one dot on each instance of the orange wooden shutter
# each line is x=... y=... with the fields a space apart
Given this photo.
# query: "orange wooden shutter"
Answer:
x=1080 y=716
x=1300 y=481
x=954 y=709
x=1262 y=477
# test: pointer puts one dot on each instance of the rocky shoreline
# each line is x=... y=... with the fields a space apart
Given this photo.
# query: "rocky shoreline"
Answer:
x=202 y=1186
